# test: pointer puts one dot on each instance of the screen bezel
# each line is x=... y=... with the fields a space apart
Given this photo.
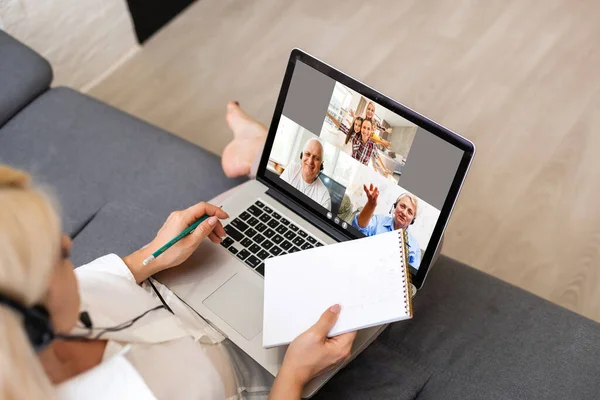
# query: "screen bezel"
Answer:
x=311 y=210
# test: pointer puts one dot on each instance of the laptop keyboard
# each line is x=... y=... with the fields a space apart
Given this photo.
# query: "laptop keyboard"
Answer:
x=260 y=232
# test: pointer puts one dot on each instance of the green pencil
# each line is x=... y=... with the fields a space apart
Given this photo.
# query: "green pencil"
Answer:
x=176 y=239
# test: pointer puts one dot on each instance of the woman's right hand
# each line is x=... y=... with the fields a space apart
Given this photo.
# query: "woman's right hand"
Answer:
x=310 y=354
x=372 y=193
x=211 y=228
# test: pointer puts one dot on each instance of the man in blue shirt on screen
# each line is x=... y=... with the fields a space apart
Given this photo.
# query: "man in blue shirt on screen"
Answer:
x=401 y=216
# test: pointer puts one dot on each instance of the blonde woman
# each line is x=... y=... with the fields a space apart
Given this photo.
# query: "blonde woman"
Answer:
x=134 y=348
x=402 y=215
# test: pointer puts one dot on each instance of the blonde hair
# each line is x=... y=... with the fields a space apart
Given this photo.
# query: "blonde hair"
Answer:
x=412 y=198
x=29 y=250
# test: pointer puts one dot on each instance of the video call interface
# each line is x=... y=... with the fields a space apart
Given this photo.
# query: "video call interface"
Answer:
x=367 y=169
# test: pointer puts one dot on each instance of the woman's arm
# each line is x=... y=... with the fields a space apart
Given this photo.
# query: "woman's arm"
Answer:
x=286 y=387
x=178 y=253
x=310 y=354
x=141 y=272
x=366 y=213
x=381 y=141
x=334 y=120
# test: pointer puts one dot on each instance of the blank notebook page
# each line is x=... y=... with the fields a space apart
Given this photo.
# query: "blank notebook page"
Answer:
x=367 y=277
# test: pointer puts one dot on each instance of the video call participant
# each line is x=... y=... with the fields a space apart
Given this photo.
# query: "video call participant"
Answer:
x=363 y=147
x=355 y=126
x=402 y=215
x=370 y=114
x=305 y=177
x=354 y=129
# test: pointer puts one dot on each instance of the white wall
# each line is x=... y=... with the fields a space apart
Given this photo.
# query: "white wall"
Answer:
x=82 y=39
x=355 y=99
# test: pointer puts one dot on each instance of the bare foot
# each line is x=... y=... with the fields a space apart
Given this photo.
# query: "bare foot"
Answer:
x=249 y=136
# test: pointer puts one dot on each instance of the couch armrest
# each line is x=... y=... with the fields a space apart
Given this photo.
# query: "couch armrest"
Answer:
x=24 y=75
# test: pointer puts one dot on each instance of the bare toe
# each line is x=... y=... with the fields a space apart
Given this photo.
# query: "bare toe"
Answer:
x=242 y=125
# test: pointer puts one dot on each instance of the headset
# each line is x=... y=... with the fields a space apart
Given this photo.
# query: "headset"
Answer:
x=320 y=169
x=41 y=333
x=396 y=203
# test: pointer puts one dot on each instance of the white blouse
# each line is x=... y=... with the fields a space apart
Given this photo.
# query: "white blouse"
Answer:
x=176 y=356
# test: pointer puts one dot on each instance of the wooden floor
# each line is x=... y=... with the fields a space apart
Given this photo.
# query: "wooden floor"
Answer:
x=519 y=78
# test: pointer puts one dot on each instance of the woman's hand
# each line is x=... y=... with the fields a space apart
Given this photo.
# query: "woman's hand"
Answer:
x=310 y=354
x=372 y=193
x=179 y=252
x=180 y=220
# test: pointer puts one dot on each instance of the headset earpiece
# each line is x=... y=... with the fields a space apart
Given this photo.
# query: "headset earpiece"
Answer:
x=39 y=328
x=36 y=322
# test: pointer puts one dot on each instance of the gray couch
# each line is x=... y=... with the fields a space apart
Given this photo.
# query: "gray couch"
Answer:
x=117 y=178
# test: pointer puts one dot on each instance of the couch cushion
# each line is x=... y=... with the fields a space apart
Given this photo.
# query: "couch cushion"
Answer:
x=489 y=339
x=481 y=338
x=91 y=154
x=381 y=371
x=119 y=228
x=23 y=76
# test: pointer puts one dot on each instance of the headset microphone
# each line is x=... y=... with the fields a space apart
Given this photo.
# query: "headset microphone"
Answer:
x=85 y=319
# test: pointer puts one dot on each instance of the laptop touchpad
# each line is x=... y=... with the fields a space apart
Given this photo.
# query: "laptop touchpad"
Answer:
x=239 y=302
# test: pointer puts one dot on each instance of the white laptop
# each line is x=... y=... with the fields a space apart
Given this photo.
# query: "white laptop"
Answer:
x=309 y=191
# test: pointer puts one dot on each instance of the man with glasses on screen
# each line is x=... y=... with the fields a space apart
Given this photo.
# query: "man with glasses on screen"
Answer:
x=403 y=214
x=305 y=176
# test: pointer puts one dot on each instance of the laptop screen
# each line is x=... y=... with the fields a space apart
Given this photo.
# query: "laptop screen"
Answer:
x=360 y=165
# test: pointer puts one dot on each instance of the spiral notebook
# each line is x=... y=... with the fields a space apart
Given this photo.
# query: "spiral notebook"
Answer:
x=368 y=277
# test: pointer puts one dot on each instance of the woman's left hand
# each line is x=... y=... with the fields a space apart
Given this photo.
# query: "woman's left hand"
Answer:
x=177 y=222
x=310 y=354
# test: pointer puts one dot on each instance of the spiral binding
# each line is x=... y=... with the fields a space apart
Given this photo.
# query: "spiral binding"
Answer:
x=403 y=239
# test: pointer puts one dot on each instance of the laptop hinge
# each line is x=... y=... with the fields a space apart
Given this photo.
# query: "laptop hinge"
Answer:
x=308 y=215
